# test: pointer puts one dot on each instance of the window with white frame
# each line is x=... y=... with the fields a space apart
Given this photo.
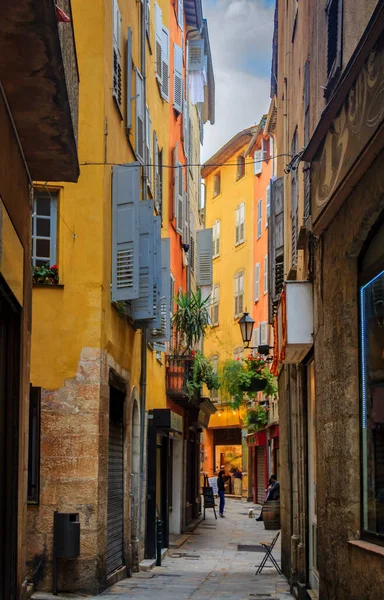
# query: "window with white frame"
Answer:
x=239 y=226
x=257 y=282
x=239 y=294
x=215 y=305
x=44 y=228
x=268 y=211
x=258 y=162
x=266 y=274
x=263 y=333
x=259 y=217
x=216 y=239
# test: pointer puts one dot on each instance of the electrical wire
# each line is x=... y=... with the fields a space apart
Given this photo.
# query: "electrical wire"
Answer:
x=204 y=165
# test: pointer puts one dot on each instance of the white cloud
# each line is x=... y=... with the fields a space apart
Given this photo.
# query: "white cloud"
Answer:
x=240 y=33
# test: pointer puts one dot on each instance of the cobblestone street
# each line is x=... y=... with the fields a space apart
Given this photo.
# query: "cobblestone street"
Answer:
x=215 y=563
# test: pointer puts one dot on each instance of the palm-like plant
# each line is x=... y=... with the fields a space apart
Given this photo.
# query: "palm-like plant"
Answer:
x=190 y=320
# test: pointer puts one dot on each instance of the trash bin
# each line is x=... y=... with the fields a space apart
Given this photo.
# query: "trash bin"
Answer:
x=66 y=535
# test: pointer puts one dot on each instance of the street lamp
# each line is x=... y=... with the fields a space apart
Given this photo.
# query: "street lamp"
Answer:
x=246 y=327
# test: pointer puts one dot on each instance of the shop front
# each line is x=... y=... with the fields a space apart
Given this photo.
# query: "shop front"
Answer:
x=258 y=443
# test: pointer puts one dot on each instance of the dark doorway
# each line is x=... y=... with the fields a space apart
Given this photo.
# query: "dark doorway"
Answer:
x=115 y=521
x=9 y=440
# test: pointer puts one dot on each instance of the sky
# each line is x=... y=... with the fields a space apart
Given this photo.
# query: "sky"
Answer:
x=240 y=33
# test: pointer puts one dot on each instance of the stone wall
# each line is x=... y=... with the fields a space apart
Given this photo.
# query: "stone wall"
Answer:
x=74 y=474
x=346 y=572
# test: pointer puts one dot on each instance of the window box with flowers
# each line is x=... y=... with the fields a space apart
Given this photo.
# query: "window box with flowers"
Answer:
x=242 y=379
x=45 y=275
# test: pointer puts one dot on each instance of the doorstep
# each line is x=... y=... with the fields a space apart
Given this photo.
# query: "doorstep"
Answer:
x=193 y=524
x=177 y=540
x=149 y=563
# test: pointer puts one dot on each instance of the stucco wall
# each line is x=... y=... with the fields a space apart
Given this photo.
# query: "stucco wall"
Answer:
x=345 y=572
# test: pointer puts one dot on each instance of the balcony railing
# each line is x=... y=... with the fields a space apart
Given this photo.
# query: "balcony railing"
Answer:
x=178 y=370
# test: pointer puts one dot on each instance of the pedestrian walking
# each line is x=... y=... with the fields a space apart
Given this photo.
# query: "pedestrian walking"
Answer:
x=272 y=493
x=220 y=489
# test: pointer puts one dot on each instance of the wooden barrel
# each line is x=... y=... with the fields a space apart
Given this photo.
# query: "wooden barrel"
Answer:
x=271 y=514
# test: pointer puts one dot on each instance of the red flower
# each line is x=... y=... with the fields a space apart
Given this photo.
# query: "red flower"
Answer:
x=54 y=268
x=193 y=353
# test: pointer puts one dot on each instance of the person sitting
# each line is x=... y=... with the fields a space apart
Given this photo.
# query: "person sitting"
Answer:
x=272 y=493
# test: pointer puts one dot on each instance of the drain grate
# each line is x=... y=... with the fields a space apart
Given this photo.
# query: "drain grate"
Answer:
x=250 y=548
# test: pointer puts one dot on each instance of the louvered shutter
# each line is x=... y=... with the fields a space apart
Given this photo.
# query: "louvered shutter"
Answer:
x=204 y=257
x=186 y=130
x=129 y=78
x=176 y=175
x=142 y=307
x=258 y=158
x=165 y=63
x=156 y=272
x=178 y=78
x=180 y=200
x=157 y=178
x=163 y=331
x=185 y=217
x=256 y=339
x=148 y=147
x=266 y=274
x=268 y=204
x=196 y=55
x=125 y=236
x=117 y=79
x=180 y=14
x=242 y=221
x=159 y=43
x=257 y=282
x=263 y=334
x=241 y=293
x=140 y=116
x=237 y=225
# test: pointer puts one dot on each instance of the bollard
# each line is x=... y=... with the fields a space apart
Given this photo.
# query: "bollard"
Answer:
x=159 y=538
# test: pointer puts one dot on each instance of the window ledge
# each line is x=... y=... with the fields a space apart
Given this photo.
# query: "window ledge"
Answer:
x=368 y=546
x=48 y=285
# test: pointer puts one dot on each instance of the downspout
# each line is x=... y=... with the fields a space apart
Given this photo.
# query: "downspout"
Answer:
x=144 y=332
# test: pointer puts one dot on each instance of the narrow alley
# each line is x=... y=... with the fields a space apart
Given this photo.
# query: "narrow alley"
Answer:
x=216 y=562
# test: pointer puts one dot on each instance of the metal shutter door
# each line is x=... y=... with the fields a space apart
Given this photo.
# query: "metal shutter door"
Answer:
x=115 y=523
x=260 y=465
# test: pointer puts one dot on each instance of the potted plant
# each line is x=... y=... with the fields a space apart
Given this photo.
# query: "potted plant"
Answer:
x=190 y=320
x=202 y=373
x=246 y=377
x=256 y=418
x=45 y=274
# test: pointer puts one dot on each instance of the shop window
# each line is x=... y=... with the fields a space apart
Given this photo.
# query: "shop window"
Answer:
x=372 y=388
x=34 y=446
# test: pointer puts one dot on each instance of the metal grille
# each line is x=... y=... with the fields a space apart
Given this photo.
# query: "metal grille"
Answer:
x=260 y=474
x=115 y=521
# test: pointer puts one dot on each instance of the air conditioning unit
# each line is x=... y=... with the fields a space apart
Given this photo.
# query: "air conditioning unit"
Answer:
x=295 y=321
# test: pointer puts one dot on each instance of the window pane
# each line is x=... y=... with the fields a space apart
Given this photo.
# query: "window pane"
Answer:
x=43 y=227
x=372 y=367
x=43 y=248
x=43 y=206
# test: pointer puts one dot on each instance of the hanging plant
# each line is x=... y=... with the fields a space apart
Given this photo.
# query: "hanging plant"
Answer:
x=246 y=377
x=202 y=372
x=256 y=418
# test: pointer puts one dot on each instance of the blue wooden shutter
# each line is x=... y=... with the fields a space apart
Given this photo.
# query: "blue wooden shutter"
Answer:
x=156 y=272
x=125 y=236
x=178 y=78
x=129 y=78
x=204 y=257
x=162 y=331
x=142 y=306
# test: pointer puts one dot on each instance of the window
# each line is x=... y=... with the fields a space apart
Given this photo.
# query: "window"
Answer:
x=148 y=21
x=372 y=389
x=266 y=274
x=257 y=282
x=263 y=333
x=265 y=148
x=259 y=217
x=238 y=353
x=216 y=239
x=256 y=339
x=239 y=226
x=240 y=167
x=216 y=184
x=44 y=228
x=215 y=305
x=215 y=365
x=334 y=38
x=148 y=147
x=239 y=294
x=268 y=205
x=272 y=151
x=116 y=77
x=258 y=161
x=140 y=116
x=34 y=446
x=180 y=14
x=158 y=175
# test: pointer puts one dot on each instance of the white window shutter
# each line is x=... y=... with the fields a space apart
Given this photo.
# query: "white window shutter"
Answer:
x=159 y=43
x=140 y=116
x=242 y=221
x=129 y=79
x=125 y=232
x=268 y=204
x=180 y=200
x=258 y=158
x=176 y=175
x=259 y=217
x=237 y=225
x=196 y=55
x=156 y=175
x=186 y=130
x=204 y=257
x=165 y=64
x=263 y=333
x=178 y=79
x=142 y=307
x=257 y=282
x=266 y=274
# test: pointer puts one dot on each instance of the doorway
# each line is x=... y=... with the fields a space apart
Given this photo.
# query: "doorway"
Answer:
x=9 y=441
x=312 y=479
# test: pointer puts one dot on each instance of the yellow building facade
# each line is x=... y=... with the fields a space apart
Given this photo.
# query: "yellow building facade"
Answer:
x=95 y=368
